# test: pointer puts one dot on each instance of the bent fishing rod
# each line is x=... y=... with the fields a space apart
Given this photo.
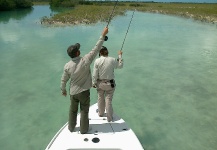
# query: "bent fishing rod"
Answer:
x=112 y=13
x=110 y=17
x=128 y=29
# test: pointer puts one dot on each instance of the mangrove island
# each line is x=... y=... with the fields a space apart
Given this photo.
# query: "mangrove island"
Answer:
x=89 y=12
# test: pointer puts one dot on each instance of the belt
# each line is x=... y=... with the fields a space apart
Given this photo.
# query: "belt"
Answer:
x=106 y=80
x=112 y=82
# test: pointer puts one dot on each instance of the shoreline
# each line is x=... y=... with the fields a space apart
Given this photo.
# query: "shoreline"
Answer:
x=202 y=18
x=91 y=14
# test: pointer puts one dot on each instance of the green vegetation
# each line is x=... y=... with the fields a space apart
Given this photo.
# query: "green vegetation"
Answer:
x=203 y=12
x=86 y=12
x=63 y=3
x=83 y=14
x=14 y=4
x=41 y=2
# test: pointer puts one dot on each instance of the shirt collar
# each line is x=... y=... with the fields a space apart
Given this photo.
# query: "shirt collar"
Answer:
x=76 y=58
x=103 y=56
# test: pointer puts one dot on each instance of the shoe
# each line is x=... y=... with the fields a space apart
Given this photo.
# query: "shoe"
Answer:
x=74 y=130
x=97 y=111
x=100 y=115
x=109 y=119
x=89 y=129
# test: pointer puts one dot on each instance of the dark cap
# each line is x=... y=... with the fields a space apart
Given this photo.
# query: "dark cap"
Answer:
x=73 y=49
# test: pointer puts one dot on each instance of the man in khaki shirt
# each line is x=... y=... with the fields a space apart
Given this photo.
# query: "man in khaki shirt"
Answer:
x=78 y=71
x=103 y=80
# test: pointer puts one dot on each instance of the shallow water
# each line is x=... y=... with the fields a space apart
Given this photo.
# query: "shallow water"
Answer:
x=166 y=91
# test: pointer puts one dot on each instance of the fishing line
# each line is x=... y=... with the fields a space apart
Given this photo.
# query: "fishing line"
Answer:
x=127 y=30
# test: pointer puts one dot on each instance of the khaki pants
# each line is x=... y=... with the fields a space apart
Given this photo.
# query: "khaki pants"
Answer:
x=84 y=99
x=105 y=95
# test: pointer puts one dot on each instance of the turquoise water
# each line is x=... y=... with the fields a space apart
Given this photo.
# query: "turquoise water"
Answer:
x=166 y=91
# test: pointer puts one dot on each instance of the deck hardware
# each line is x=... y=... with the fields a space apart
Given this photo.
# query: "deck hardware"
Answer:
x=95 y=140
x=86 y=139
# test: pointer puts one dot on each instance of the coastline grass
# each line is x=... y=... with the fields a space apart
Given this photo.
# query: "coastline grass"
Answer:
x=100 y=12
x=83 y=14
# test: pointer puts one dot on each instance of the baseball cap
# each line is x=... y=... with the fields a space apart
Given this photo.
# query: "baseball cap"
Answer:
x=73 y=49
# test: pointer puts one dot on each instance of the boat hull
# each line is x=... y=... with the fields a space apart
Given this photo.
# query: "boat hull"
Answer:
x=103 y=135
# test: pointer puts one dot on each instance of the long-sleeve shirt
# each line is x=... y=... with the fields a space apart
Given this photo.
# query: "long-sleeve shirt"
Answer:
x=78 y=70
x=104 y=68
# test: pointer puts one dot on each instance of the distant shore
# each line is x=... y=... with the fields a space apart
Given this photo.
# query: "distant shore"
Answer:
x=90 y=14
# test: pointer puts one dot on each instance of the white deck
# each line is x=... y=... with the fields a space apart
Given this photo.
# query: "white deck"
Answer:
x=103 y=135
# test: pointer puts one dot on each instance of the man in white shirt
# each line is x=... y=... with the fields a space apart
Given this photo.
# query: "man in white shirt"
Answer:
x=78 y=70
x=103 y=80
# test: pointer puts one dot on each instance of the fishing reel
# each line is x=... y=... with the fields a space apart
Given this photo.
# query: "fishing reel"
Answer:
x=106 y=38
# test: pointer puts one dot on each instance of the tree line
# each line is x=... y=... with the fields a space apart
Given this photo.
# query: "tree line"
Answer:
x=17 y=4
x=67 y=3
x=13 y=4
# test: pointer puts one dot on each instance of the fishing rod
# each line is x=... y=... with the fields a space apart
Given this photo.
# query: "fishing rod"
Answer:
x=112 y=13
x=110 y=17
x=128 y=29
